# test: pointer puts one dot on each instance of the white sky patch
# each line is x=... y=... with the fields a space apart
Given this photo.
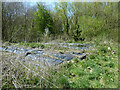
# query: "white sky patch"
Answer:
x=32 y=3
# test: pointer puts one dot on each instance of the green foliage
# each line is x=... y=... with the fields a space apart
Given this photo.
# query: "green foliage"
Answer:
x=43 y=20
x=66 y=21
x=103 y=49
x=90 y=26
x=111 y=64
x=77 y=34
x=42 y=46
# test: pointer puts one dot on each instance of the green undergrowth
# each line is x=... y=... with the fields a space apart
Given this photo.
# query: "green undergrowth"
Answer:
x=42 y=46
x=33 y=45
x=98 y=70
x=74 y=41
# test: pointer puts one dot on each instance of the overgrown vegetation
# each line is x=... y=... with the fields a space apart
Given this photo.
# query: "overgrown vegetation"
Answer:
x=65 y=21
x=98 y=70
x=33 y=45
x=93 y=23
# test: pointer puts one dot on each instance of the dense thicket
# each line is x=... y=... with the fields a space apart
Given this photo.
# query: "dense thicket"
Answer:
x=66 y=20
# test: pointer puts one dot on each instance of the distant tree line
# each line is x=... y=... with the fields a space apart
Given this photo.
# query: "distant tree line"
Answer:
x=67 y=21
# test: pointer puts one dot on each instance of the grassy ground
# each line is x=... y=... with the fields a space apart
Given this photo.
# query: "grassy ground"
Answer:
x=98 y=70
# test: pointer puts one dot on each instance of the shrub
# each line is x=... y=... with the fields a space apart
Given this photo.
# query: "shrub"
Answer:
x=42 y=46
